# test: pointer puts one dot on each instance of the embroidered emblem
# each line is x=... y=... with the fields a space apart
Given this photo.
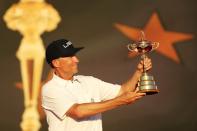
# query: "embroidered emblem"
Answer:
x=92 y=100
x=67 y=44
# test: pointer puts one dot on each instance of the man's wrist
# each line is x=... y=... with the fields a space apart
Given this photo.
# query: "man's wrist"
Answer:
x=139 y=72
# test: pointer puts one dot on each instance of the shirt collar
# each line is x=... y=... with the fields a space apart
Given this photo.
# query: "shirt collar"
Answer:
x=63 y=81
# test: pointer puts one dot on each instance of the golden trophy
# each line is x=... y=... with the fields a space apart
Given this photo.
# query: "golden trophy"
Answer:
x=31 y=18
x=146 y=83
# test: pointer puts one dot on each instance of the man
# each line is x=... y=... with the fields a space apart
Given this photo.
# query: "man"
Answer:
x=75 y=102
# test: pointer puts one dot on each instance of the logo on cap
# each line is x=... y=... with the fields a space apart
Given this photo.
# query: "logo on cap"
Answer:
x=67 y=44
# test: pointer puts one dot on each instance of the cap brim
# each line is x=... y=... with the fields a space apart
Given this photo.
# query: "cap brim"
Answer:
x=73 y=52
x=78 y=49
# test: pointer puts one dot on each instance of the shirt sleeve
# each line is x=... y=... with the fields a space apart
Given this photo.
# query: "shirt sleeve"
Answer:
x=106 y=90
x=58 y=101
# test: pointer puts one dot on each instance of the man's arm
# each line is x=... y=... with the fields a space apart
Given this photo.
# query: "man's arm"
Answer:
x=80 y=111
x=128 y=94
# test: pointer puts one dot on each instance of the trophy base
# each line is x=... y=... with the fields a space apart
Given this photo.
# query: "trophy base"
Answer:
x=149 y=91
x=146 y=84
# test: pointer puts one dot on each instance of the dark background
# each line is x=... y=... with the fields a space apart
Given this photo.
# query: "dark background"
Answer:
x=90 y=23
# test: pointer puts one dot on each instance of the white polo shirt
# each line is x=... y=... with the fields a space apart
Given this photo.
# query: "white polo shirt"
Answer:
x=58 y=95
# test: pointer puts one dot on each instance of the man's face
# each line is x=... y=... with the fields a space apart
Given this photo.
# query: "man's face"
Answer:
x=67 y=64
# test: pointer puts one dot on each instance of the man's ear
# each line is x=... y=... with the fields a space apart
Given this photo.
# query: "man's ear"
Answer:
x=56 y=63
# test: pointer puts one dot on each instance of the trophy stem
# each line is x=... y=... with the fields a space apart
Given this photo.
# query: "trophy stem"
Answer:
x=143 y=56
x=143 y=66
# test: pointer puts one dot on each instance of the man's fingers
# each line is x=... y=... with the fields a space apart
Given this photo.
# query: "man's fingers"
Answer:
x=136 y=89
x=138 y=93
x=138 y=97
x=133 y=96
x=146 y=61
x=147 y=64
x=135 y=93
x=148 y=67
x=141 y=94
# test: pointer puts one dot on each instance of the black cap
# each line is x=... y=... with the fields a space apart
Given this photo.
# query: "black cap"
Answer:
x=60 y=48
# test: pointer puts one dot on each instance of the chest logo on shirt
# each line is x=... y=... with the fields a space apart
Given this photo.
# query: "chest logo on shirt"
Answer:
x=92 y=100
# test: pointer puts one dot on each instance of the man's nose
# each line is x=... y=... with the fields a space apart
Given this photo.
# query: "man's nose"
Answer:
x=75 y=59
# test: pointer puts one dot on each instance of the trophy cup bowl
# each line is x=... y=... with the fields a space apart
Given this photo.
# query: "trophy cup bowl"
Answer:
x=146 y=83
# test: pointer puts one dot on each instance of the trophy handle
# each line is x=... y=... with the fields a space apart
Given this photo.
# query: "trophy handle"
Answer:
x=155 y=45
x=132 y=47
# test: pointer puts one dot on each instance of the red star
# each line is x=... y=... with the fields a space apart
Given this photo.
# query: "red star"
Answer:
x=156 y=33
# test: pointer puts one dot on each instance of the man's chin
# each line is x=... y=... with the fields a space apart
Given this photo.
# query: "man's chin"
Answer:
x=75 y=71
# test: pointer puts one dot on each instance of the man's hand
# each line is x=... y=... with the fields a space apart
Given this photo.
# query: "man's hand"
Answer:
x=147 y=64
x=130 y=97
x=130 y=85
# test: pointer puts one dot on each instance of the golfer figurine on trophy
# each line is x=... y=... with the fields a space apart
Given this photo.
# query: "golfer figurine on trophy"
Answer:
x=146 y=83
